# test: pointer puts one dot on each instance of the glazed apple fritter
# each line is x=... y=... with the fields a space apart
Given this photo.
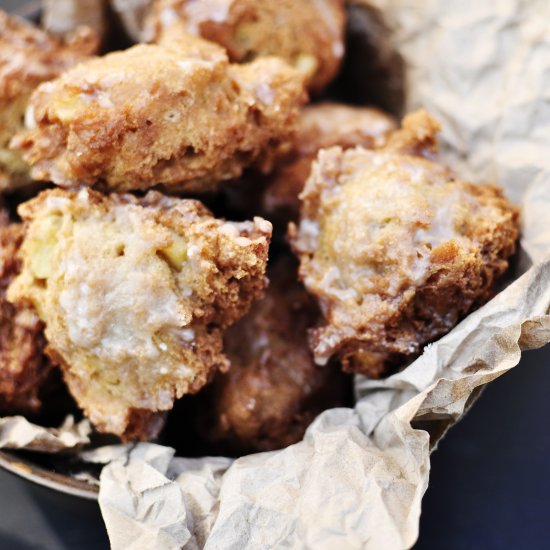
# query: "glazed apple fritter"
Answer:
x=24 y=368
x=308 y=34
x=176 y=114
x=320 y=125
x=135 y=295
x=28 y=56
x=396 y=248
x=273 y=389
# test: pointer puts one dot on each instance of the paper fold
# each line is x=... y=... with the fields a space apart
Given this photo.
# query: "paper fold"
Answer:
x=17 y=432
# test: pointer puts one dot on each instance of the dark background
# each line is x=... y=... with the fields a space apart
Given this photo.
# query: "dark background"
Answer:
x=489 y=485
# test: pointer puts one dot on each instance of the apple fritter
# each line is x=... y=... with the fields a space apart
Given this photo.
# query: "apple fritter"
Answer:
x=308 y=34
x=28 y=57
x=176 y=114
x=24 y=369
x=273 y=389
x=135 y=295
x=397 y=248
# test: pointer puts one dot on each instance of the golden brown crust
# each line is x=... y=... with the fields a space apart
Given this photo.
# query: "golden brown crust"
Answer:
x=144 y=425
x=417 y=135
x=320 y=125
x=273 y=389
x=23 y=366
x=176 y=115
x=28 y=56
x=395 y=247
x=135 y=295
x=308 y=34
x=374 y=364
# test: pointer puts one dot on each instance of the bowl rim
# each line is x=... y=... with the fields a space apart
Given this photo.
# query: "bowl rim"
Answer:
x=63 y=483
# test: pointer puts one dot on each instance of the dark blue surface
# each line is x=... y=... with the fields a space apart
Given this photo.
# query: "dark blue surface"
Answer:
x=490 y=484
x=489 y=487
x=39 y=518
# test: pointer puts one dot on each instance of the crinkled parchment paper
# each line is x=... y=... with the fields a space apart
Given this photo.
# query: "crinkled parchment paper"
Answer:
x=61 y=17
x=358 y=477
x=131 y=14
x=17 y=432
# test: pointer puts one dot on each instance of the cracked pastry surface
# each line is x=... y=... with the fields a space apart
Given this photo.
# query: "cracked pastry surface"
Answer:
x=397 y=248
x=319 y=126
x=273 y=389
x=28 y=57
x=177 y=114
x=135 y=295
x=24 y=368
x=308 y=34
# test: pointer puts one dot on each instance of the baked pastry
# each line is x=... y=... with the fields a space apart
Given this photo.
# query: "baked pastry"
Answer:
x=396 y=248
x=29 y=56
x=308 y=34
x=177 y=114
x=24 y=369
x=135 y=295
x=273 y=389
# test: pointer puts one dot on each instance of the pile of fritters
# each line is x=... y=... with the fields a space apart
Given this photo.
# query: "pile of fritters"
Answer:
x=123 y=279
